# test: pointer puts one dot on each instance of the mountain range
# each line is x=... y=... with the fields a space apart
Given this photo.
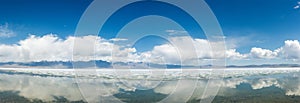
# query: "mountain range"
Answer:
x=105 y=64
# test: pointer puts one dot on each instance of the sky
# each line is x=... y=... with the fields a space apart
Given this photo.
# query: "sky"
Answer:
x=255 y=32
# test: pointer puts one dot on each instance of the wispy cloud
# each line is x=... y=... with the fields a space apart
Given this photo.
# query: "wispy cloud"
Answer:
x=5 y=32
x=118 y=39
x=297 y=6
x=176 y=32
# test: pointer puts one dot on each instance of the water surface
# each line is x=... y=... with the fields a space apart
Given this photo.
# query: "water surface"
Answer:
x=262 y=85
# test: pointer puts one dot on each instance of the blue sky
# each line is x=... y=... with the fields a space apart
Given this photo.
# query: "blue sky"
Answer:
x=246 y=24
x=268 y=21
x=41 y=17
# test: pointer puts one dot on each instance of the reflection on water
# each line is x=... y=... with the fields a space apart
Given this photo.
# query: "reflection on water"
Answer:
x=14 y=97
x=26 y=88
x=244 y=93
x=38 y=86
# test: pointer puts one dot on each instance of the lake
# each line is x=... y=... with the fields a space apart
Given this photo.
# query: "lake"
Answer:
x=247 y=85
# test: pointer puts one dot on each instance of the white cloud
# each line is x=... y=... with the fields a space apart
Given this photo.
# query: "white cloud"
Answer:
x=233 y=54
x=262 y=53
x=118 y=39
x=48 y=47
x=176 y=32
x=165 y=53
x=185 y=50
x=297 y=6
x=290 y=50
x=5 y=32
x=52 y=48
x=181 y=50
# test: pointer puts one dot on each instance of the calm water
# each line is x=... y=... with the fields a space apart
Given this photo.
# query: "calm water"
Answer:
x=246 y=86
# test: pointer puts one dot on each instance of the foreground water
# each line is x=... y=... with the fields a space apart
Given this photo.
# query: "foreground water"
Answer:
x=247 y=85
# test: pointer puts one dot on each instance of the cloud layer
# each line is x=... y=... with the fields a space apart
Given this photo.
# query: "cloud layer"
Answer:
x=52 y=48
x=181 y=49
x=289 y=51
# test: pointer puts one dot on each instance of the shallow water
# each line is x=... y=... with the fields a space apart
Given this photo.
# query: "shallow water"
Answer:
x=238 y=85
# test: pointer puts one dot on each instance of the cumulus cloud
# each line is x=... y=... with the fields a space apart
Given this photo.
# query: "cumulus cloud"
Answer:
x=5 y=32
x=290 y=50
x=165 y=53
x=52 y=48
x=48 y=47
x=233 y=54
x=262 y=53
x=185 y=50
x=181 y=50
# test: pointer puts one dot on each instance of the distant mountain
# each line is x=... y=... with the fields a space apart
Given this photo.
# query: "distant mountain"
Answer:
x=82 y=64
x=65 y=64
x=265 y=66
x=136 y=65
